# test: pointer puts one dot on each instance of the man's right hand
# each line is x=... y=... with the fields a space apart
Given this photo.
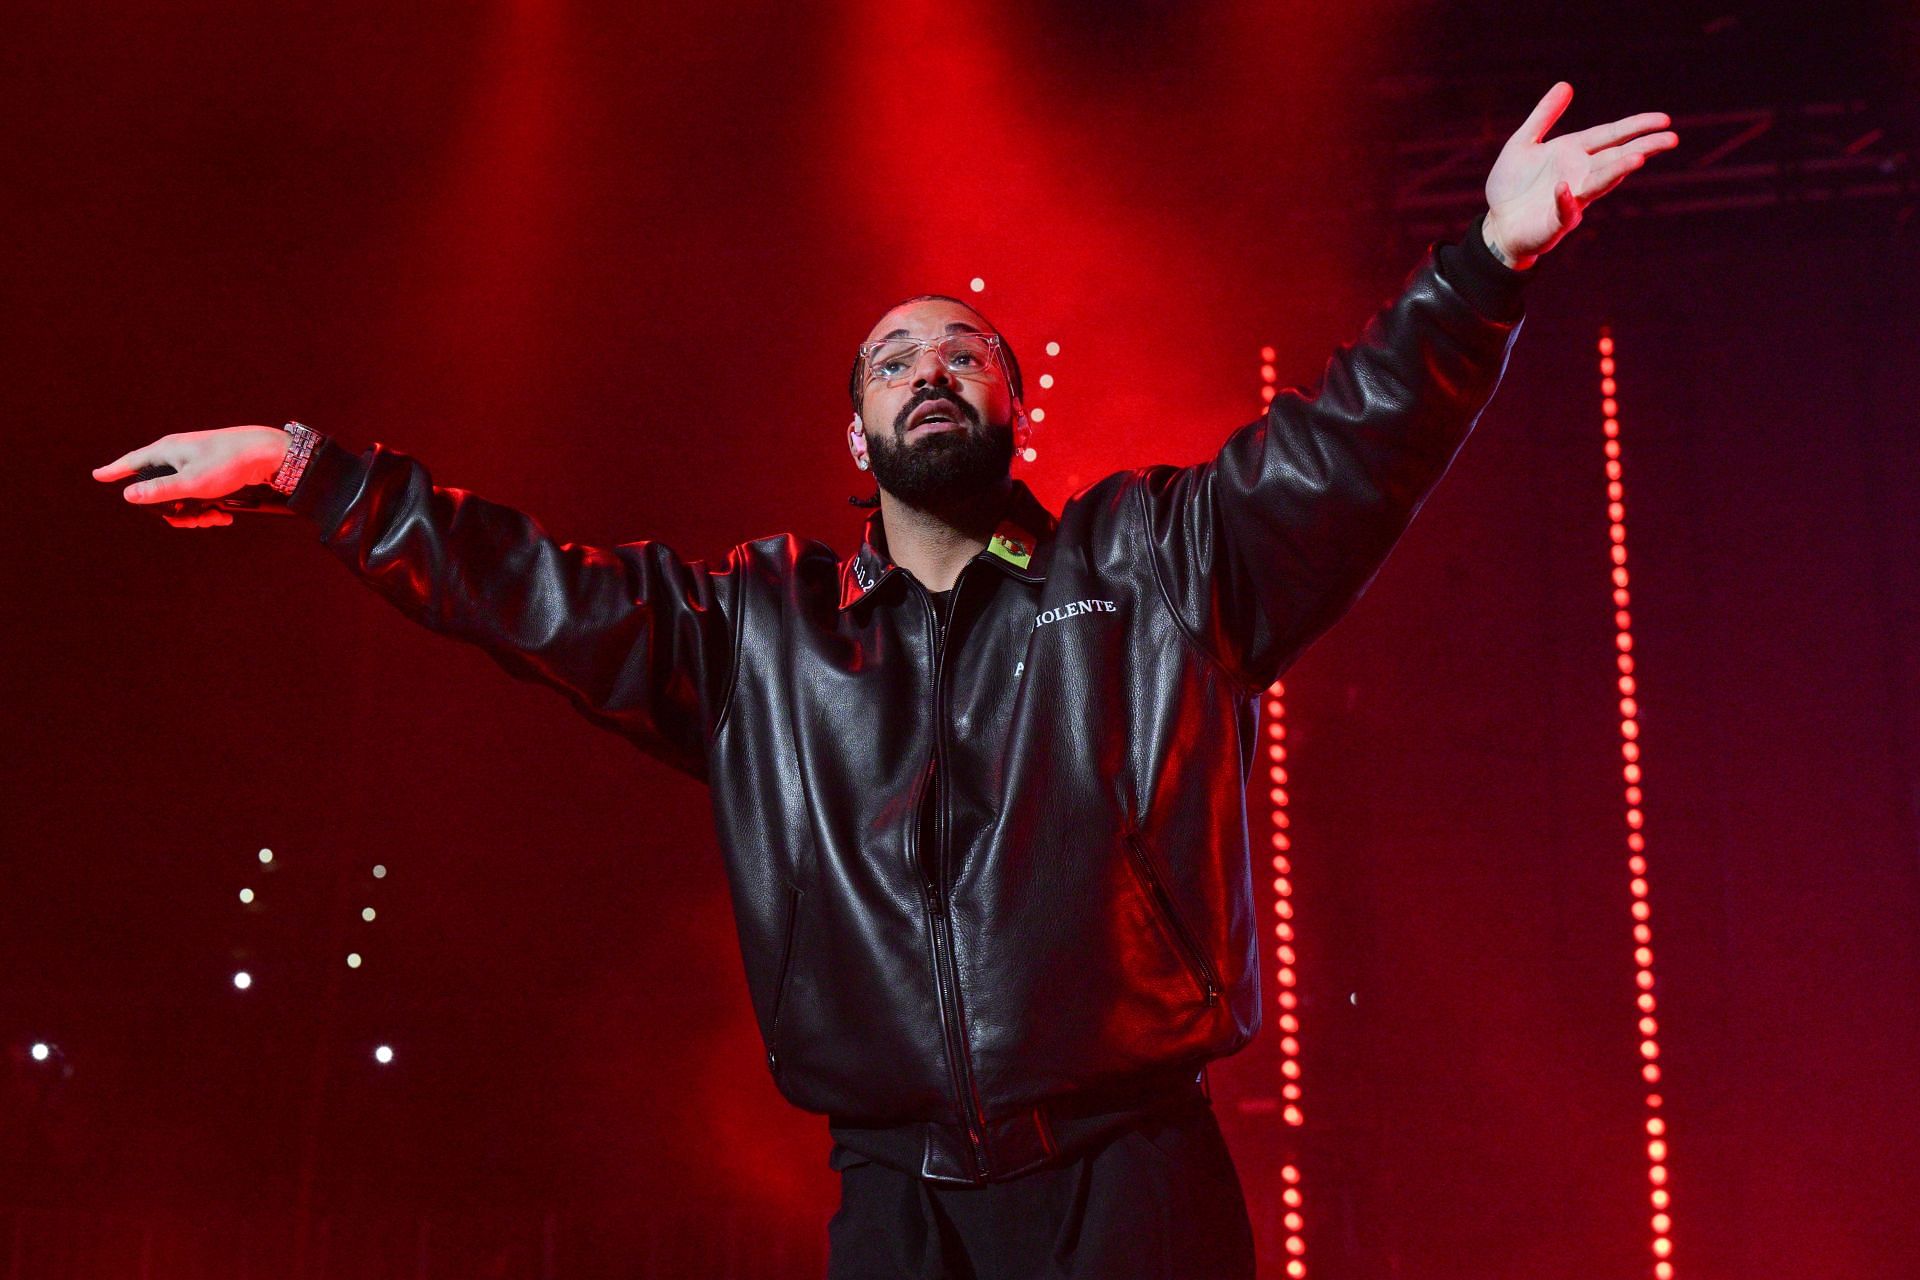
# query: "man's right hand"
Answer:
x=206 y=464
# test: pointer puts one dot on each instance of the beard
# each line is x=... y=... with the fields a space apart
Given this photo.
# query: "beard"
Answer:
x=945 y=467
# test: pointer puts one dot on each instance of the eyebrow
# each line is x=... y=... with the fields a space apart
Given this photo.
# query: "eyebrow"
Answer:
x=957 y=326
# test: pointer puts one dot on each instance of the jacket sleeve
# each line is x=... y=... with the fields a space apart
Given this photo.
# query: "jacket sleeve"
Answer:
x=1265 y=546
x=641 y=642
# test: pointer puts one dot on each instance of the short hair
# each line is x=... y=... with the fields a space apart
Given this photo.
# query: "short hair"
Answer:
x=856 y=383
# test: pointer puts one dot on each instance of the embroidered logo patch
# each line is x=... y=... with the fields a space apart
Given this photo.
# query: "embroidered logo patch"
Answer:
x=1012 y=548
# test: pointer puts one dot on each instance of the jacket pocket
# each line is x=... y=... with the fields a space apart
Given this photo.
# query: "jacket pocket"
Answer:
x=1190 y=953
x=788 y=936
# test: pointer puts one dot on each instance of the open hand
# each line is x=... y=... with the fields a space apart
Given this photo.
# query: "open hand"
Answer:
x=1538 y=189
x=206 y=464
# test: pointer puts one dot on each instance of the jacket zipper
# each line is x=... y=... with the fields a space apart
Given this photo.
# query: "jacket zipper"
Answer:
x=946 y=971
x=936 y=927
x=1196 y=960
x=780 y=985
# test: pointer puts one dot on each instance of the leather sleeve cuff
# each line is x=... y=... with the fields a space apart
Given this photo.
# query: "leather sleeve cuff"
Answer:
x=332 y=480
x=1495 y=289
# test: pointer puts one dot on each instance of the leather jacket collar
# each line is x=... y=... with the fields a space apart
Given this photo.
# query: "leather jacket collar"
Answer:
x=1020 y=546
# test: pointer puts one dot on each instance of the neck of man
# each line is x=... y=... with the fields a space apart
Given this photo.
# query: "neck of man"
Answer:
x=935 y=541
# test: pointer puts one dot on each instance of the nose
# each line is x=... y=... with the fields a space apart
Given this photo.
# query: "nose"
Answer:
x=928 y=370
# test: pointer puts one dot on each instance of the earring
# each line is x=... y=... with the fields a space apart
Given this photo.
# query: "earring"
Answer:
x=1023 y=438
x=861 y=462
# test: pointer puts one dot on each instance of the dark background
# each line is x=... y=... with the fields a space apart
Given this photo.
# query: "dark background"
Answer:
x=609 y=263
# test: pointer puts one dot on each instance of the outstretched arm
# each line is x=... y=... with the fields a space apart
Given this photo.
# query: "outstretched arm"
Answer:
x=640 y=641
x=1265 y=546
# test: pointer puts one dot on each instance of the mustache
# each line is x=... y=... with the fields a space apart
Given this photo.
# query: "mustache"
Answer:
x=961 y=407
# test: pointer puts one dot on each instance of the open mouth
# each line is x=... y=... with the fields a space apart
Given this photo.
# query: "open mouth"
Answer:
x=936 y=414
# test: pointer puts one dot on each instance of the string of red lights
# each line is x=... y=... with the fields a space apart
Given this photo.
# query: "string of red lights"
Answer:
x=1285 y=972
x=1632 y=775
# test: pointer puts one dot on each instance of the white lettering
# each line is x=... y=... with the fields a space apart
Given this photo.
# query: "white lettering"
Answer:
x=1074 y=609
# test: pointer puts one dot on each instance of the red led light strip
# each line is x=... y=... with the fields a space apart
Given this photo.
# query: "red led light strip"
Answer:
x=1285 y=971
x=1649 y=1028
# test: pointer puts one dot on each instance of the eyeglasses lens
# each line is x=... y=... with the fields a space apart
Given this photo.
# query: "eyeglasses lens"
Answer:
x=958 y=353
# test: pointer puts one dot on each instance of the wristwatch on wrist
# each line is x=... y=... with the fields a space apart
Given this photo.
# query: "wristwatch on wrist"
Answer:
x=299 y=453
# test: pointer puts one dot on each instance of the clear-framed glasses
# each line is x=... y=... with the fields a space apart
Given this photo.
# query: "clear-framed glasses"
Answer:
x=892 y=360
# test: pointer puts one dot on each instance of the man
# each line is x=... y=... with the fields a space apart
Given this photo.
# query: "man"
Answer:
x=979 y=785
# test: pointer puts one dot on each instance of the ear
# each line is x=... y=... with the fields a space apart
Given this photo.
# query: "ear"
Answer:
x=857 y=442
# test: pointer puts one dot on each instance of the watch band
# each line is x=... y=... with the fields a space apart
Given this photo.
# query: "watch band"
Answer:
x=299 y=452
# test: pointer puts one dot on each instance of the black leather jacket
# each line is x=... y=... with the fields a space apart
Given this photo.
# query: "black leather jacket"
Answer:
x=1073 y=925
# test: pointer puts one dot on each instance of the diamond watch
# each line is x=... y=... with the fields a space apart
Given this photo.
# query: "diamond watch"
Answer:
x=294 y=462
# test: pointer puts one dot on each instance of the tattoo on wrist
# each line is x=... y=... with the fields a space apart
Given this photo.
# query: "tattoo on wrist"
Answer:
x=1493 y=244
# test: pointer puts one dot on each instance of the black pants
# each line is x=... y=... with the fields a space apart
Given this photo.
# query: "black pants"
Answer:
x=1159 y=1201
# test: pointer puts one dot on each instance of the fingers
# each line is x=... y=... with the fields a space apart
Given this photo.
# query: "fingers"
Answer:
x=160 y=489
x=128 y=463
x=1601 y=181
x=1610 y=170
x=1651 y=143
x=188 y=515
x=1566 y=204
x=1602 y=136
x=1546 y=112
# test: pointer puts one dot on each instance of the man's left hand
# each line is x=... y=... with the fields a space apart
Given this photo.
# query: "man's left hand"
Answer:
x=1538 y=189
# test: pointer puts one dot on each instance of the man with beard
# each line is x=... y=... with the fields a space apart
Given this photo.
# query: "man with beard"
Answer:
x=979 y=785
x=942 y=463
